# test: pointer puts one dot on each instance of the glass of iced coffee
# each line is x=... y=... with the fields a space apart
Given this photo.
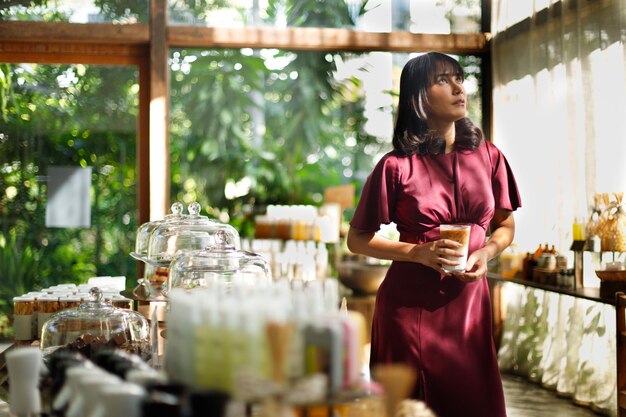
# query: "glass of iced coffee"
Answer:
x=459 y=233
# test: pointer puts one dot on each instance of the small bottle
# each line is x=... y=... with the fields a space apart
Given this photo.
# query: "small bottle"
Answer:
x=527 y=266
x=570 y=280
x=24 y=365
x=577 y=229
x=532 y=264
x=553 y=250
x=538 y=252
x=321 y=261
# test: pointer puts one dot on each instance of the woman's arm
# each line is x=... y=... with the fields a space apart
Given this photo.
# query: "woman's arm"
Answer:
x=502 y=233
x=429 y=254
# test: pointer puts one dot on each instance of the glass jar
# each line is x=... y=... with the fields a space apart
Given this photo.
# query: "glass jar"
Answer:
x=23 y=316
x=94 y=325
x=195 y=232
x=145 y=230
x=219 y=262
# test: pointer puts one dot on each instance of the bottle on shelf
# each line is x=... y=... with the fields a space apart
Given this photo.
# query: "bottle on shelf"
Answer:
x=527 y=267
x=510 y=262
x=578 y=229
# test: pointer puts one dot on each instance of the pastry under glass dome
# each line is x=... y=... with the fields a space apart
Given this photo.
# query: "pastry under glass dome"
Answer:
x=94 y=325
x=169 y=240
x=159 y=242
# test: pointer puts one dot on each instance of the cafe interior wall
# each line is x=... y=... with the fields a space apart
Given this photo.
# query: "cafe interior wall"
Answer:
x=559 y=110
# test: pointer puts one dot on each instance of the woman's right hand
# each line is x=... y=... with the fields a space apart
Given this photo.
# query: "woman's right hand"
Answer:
x=433 y=254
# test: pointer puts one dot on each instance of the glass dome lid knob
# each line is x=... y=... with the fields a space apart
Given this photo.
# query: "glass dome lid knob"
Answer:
x=95 y=295
x=220 y=238
x=194 y=208
x=177 y=208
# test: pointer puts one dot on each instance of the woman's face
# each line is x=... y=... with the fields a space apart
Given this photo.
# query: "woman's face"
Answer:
x=446 y=97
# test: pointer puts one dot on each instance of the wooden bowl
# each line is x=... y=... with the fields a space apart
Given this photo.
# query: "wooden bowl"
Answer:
x=611 y=275
x=360 y=277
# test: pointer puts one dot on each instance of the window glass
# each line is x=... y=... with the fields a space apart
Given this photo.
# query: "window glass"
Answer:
x=66 y=116
x=77 y=11
x=256 y=127
x=424 y=16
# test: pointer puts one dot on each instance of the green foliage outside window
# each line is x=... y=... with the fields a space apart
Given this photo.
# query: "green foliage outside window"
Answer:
x=276 y=124
x=66 y=115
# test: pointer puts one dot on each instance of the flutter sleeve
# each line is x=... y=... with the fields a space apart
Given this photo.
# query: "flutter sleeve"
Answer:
x=505 y=191
x=377 y=203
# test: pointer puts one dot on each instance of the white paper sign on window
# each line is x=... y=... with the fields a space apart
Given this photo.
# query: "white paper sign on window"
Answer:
x=68 y=197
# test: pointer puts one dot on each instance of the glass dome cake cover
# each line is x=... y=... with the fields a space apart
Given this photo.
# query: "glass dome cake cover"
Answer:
x=94 y=325
x=194 y=232
x=145 y=230
x=218 y=262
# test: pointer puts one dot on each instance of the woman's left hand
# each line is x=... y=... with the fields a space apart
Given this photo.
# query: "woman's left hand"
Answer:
x=475 y=268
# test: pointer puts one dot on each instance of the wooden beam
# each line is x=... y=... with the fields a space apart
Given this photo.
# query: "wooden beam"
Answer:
x=143 y=149
x=143 y=143
x=324 y=39
x=159 y=181
x=262 y=37
x=101 y=33
x=70 y=53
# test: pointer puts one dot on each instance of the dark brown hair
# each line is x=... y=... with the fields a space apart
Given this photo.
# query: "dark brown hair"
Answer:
x=411 y=133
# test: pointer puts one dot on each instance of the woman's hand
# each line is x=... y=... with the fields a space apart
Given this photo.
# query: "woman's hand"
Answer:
x=475 y=268
x=434 y=254
x=503 y=230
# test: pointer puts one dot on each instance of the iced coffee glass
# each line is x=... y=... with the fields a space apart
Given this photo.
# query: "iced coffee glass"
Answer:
x=459 y=233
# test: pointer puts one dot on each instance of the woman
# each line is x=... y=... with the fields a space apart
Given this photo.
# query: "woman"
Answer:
x=441 y=170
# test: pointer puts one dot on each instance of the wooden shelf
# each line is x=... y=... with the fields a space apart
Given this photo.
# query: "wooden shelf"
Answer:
x=592 y=294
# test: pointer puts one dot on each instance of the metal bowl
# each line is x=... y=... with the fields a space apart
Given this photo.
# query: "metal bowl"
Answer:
x=361 y=278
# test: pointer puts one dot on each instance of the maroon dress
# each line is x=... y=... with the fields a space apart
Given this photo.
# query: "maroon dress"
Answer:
x=437 y=323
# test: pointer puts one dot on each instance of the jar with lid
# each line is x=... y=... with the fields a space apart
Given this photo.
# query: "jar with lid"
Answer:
x=23 y=316
x=149 y=287
x=217 y=263
x=96 y=324
x=145 y=230
x=159 y=242
x=194 y=232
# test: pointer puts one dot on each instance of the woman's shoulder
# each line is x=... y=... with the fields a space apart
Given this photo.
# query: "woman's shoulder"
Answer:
x=393 y=158
x=491 y=147
x=492 y=150
x=392 y=164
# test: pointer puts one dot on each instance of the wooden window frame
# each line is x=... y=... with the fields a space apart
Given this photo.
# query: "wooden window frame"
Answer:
x=147 y=47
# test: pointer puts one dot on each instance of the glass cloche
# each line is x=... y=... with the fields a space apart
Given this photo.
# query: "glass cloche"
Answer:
x=150 y=286
x=94 y=325
x=220 y=262
x=145 y=230
x=195 y=232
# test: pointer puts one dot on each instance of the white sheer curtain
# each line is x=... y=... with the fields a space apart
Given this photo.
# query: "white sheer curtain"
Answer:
x=560 y=108
x=561 y=342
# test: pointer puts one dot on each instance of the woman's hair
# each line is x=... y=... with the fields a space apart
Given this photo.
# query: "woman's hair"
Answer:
x=411 y=134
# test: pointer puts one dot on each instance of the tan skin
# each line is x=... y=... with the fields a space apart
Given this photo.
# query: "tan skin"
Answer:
x=446 y=104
